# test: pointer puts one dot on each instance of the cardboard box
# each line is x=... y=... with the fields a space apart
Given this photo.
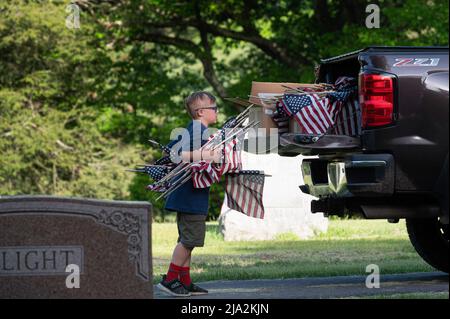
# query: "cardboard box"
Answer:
x=263 y=111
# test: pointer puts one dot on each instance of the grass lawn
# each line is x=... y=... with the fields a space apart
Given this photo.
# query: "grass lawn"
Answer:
x=346 y=249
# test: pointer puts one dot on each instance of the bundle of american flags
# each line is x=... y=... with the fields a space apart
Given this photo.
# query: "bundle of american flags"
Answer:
x=244 y=189
x=322 y=109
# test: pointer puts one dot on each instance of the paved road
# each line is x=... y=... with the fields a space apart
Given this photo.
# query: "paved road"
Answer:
x=325 y=287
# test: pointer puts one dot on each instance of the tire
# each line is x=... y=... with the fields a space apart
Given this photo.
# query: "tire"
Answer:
x=431 y=241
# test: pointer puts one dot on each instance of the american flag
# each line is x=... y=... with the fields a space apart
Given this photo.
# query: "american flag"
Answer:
x=159 y=169
x=346 y=110
x=337 y=112
x=281 y=118
x=166 y=149
x=163 y=186
x=164 y=161
x=204 y=174
x=279 y=111
x=310 y=111
x=293 y=103
x=348 y=119
x=343 y=82
x=244 y=192
x=158 y=187
x=156 y=172
x=229 y=123
x=343 y=95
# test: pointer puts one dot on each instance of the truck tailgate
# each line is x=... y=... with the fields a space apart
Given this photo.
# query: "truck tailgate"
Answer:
x=292 y=144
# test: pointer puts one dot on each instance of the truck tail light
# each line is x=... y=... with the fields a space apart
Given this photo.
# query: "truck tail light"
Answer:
x=376 y=98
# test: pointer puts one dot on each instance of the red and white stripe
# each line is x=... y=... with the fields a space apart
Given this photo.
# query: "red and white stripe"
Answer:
x=323 y=114
x=245 y=196
x=348 y=119
x=315 y=118
x=204 y=174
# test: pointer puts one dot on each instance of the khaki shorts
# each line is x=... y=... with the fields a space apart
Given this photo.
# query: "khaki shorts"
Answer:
x=191 y=229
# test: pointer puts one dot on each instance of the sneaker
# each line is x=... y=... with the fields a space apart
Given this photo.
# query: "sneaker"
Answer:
x=195 y=290
x=174 y=288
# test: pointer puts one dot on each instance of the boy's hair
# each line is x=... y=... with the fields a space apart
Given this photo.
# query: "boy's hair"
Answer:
x=190 y=101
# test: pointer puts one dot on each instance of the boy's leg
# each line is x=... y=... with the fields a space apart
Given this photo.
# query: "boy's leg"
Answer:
x=181 y=255
x=185 y=276
x=191 y=229
x=171 y=283
x=187 y=263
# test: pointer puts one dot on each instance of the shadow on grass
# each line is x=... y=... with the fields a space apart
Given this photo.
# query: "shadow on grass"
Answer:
x=213 y=229
x=362 y=245
x=213 y=233
x=296 y=259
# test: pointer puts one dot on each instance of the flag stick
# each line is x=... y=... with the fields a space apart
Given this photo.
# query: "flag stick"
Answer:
x=154 y=142
x=218 y=135
x=245 y=111
x=185 y=177
x=230 y=133
x=234 y=135
x=150 y=165
x=236 y=127
x=175 y=171
x=171 y=190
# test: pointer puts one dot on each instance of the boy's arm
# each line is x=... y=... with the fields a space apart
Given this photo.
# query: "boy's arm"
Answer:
x=198 y=155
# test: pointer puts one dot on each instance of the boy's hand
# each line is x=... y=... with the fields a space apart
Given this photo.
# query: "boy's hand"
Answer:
x=212 y=155
x=217 y=156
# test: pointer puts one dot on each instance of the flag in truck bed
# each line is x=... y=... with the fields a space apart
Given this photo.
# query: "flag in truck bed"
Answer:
x=310 y=111
x=335 y=111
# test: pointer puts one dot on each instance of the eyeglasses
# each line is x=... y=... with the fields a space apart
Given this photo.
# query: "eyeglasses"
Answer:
x=215 y=108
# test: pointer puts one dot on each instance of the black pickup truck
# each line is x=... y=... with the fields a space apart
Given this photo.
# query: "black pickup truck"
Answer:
x=398 y=166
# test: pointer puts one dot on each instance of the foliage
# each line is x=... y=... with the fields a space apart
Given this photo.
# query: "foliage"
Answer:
x=49 y=75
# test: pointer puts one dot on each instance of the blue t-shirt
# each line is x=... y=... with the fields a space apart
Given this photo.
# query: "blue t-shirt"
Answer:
x=186 y=198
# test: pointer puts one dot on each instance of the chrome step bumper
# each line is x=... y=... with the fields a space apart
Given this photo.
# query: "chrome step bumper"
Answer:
x=357 y=175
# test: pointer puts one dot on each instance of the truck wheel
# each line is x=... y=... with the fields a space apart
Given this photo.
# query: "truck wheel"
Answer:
x=430 y=239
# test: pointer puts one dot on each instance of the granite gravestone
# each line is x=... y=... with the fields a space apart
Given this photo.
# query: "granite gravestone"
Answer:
x=54 y=247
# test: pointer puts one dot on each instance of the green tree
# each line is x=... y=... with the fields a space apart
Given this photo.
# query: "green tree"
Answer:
x=287 y=37
x=49 y=76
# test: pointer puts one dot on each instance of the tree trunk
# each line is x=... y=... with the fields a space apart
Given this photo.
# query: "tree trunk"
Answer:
x=206 y=58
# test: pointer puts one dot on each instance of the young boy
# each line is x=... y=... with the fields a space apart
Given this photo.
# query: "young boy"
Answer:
x=191 y=204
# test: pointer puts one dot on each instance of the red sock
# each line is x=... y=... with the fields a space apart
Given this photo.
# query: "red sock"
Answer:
x=185 y=277
x=173 y=272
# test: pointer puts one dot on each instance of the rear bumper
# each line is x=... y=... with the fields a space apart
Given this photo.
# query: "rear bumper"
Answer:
x=362 y=183
x=368 y=175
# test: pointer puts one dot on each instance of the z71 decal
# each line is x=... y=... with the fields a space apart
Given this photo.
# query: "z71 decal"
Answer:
x=416 y=62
